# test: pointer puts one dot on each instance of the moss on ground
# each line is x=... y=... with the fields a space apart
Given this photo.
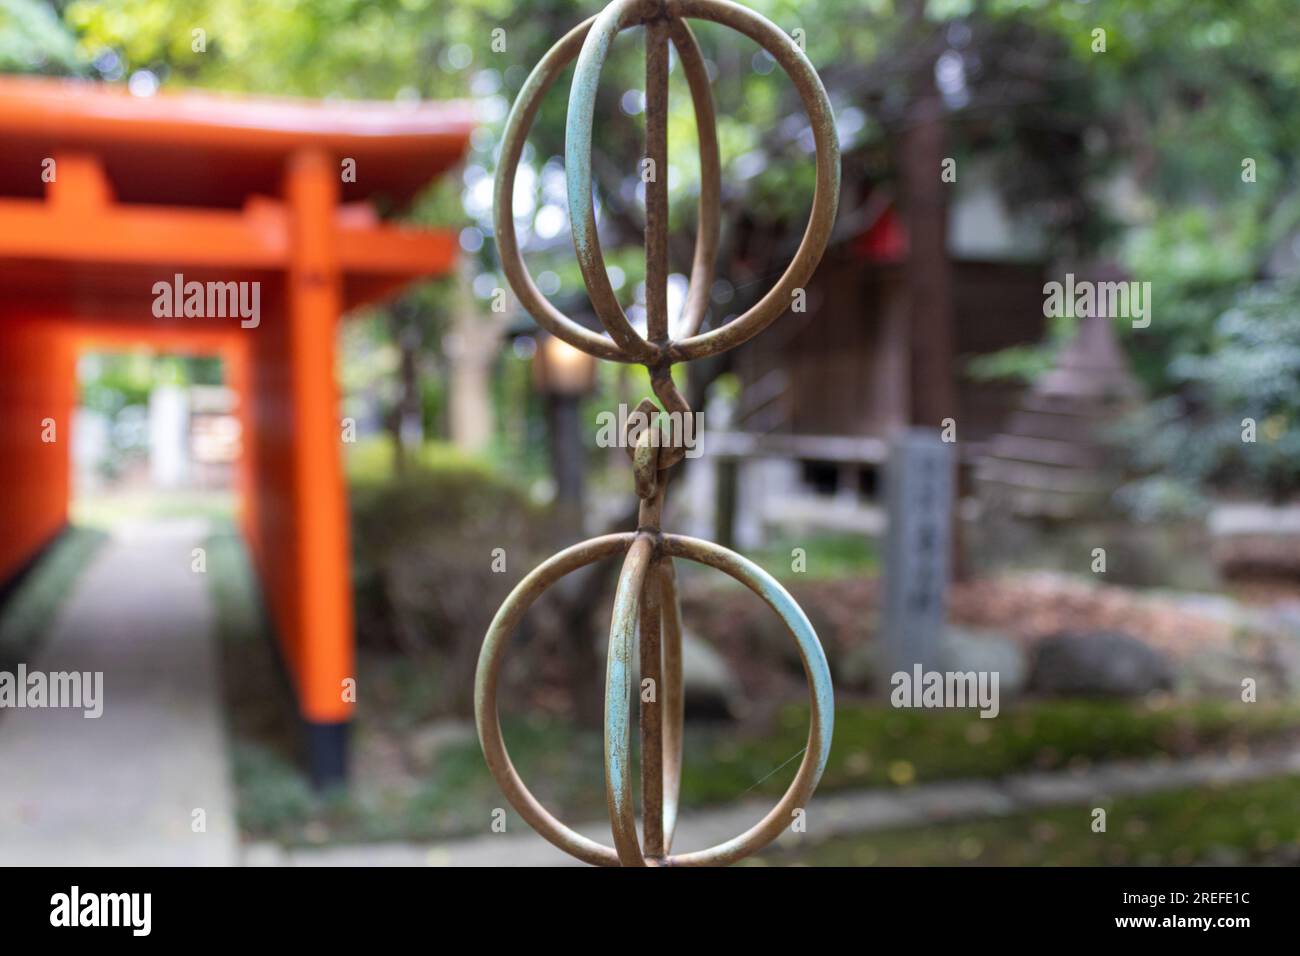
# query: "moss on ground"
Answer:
x=397 y=793
x=877 y=746
x=1248 y=823
x=29 y=611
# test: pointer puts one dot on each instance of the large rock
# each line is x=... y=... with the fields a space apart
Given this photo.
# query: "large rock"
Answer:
x=1099 y=664
x=1284 y=656
x=1217 y=673
x=1280 y=626
x=712 y=690
x=963 y=650
x=858 y=667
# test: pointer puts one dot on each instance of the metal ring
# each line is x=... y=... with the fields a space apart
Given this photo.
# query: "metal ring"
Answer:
x=578 y=128
x=504 y=625
x=625 y=345
x=518 y=123
x=485 y=694
x=618 y=693
x=618 y=688
x=821 y=698
x=673 y=694
x=825 y=197
x=709 y=214
x=642 y=569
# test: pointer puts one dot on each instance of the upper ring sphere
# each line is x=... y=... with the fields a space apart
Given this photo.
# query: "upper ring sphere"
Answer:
x=590 y=42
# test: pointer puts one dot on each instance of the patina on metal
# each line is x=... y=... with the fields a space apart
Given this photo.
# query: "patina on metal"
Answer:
x=646 y=615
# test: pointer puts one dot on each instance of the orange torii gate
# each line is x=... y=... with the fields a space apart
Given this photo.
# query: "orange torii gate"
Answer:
x=105 y=195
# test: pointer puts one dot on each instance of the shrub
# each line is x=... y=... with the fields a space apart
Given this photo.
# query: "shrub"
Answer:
x=1251 y=371
x=423 y=549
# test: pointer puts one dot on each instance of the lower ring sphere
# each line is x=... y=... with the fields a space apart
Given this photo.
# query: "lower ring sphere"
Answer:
x=821 y=697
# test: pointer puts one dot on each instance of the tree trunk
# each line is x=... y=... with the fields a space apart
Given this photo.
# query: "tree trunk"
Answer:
x=928 y=269
x=471 y=349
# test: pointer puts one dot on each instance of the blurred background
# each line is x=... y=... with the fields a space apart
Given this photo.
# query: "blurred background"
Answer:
x=1125 y=528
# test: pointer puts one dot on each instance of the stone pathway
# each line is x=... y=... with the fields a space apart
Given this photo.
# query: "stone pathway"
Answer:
x=829 y=815
x=122 y=788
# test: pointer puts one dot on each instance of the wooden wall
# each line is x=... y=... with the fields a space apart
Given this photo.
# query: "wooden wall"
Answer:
x=846 y=362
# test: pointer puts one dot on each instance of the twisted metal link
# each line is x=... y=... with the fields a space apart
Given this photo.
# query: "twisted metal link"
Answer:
x=647 y=614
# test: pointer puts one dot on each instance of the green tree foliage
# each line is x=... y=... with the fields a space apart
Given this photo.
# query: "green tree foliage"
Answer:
x=34 y=40
x=1187 y=91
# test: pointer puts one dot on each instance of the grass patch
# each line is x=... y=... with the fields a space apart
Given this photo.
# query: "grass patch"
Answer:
x=372 y=462
x=29 y=612
x=270 y=787
x=827 y=555
x=879 y=747
x=1241 y=824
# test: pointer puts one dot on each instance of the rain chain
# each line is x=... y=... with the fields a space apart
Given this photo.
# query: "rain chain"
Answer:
x=646 y=613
